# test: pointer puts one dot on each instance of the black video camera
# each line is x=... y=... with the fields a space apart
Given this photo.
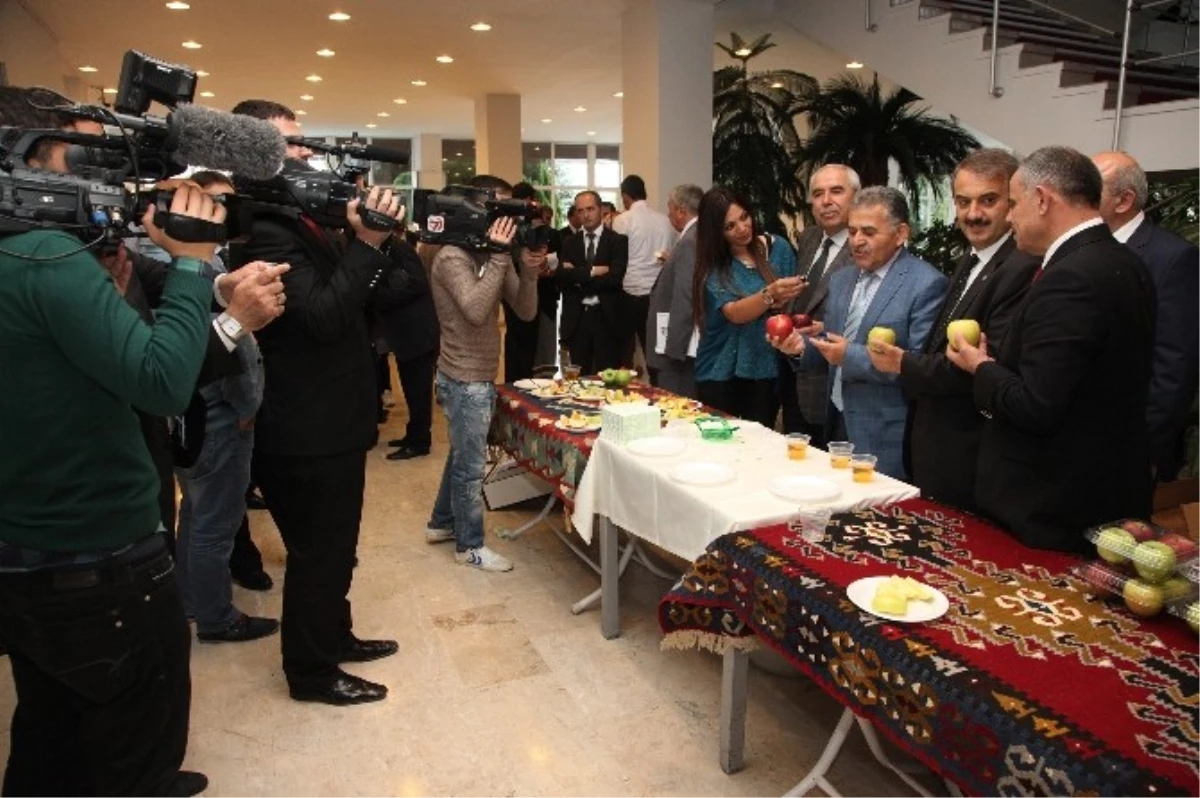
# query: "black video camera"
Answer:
x=461 y=216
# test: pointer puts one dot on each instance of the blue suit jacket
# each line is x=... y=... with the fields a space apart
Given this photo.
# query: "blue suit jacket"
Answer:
x=907 y=301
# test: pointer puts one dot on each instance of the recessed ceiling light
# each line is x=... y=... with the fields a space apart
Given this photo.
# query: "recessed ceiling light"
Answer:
x=854 y=65
x=458 y=155
x=444 y=158
x=537 y=149
x=207 y=94
x=306 y=97
x=372 y=125
x=419 y=83
x=177 y=5
x=339 y=16
x=591 y=132
x=400 y=101
x=301 y=112
x=313 y=78
x=481 y=27
x=326 y=53
x=445 y=59
x=619 y=94
x=110 y=91
x=547 y=121
x=743 y=52
x=579 y=109
x=88 y=69
x=200 y=73
x=191 y=45
x=776 y=85
x=383 y=113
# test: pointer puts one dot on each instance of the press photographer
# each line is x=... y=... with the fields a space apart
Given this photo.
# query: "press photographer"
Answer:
x=317 y=419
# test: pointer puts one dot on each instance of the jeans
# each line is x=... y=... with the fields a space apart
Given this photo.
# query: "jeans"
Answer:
x=100 y=663
x=212 y=509
x=459 y=505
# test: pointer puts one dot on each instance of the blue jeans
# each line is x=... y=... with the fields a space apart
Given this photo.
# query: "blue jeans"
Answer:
x=459 y=505
x=213 y=504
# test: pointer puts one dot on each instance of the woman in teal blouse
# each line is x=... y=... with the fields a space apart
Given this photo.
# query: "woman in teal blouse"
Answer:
x=742 y=277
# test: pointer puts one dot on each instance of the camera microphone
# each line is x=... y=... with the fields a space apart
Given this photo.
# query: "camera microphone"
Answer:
x=352 y=149
x=201 y=136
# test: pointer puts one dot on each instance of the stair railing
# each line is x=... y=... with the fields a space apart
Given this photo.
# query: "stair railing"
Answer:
x=1130 y=7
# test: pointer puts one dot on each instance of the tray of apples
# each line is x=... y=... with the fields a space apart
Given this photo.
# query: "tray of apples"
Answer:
x=1146 y=566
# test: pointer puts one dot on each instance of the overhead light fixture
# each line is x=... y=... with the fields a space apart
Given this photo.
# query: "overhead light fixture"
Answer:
x=306 y=97
x=110 y=91
x=313 y=78
x=445 y=59
x=301 y=112
x=619 y=94
x=776 y=85
x=177 y=5
x=207 y=94
x=191 y=45
x=200 y=73
x=591 y=132
x=743 y=52
x=579 y=109
x=383 y=114
x=88 y=69
x=547 y=121
x=458 y=155
x=400 y=101
x=481 y=27
x=325 y=52
x=372 y=125
x=419 y=83
x=339 y=16
x=854 y=65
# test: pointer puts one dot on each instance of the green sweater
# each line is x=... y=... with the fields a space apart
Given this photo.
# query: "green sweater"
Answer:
x=75 y=474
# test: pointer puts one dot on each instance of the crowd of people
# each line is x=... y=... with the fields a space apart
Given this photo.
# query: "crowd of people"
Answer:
x=259 y=363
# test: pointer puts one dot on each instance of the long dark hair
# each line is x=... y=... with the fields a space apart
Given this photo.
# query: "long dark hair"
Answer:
x=713 y=254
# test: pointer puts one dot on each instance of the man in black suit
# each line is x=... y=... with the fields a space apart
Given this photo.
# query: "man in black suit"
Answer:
x=314 y=428
x=1174 y=267
x=821 y=252
x=590 y=272
x=989 y=282
x=1065 y=444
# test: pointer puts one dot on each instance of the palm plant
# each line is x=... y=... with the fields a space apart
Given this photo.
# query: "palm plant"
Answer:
x=852 y=122
x=756 y=150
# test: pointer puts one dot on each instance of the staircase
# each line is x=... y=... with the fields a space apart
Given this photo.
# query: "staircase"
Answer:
x=1056 y=78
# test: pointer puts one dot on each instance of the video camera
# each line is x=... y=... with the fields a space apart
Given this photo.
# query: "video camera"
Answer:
x=461 y=216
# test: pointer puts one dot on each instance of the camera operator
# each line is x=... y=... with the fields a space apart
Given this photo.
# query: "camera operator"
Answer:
x=467 y=289
x=314 y=428
x=90 y=611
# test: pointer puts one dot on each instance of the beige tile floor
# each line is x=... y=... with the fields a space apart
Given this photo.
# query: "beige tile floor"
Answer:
x=498 y=689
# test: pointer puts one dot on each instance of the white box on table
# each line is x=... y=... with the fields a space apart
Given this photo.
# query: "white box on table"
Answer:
x=622 y=423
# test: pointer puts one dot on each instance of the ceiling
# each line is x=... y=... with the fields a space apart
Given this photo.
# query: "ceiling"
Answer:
x=557 y=54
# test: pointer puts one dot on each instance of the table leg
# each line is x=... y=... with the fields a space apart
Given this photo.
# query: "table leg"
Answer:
x=513 y=534
x=640 y=555
x=733 y=709
x=592 y=598
x=816 y=776
x=610 y=575
x=868 y=732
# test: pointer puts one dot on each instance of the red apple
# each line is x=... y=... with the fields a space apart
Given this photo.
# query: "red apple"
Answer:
x=1184 y=549
x=1140 y=530
x=779 y=326
x=802 y=320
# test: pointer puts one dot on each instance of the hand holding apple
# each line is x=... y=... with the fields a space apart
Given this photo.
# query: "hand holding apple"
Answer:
x=967 y=328
x=886 y=358
x=792 y=345
x=966 y=356
x=779 y=326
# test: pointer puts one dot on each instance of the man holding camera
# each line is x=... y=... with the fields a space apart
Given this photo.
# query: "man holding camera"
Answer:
x=467 y=289
x=316 y=423
x=90 y=611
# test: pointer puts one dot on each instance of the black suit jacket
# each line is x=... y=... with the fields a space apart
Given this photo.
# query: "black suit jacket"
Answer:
x=320 y=371
x=612 y=250
x=404 y=305
x=1174 y=266
x=942 y=438
x=1065 y=446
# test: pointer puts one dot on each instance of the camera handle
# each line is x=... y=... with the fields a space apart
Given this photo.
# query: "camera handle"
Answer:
x=374 y=220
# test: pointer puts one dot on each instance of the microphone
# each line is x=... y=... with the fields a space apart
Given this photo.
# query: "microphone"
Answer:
x=200 y=136
x=352 y=149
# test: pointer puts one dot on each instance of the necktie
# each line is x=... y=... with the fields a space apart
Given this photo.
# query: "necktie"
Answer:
x=859 y=302
x=957 y=291
x=813 y=275
x=1038 y=274
x=591 y=248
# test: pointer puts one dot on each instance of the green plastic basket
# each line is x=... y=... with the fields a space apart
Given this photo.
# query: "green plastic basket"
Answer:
x=713 y=428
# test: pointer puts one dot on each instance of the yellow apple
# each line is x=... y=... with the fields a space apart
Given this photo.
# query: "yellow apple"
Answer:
x=967 y=328
x=882 y=335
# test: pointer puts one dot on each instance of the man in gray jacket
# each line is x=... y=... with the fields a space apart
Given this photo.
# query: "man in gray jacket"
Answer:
x=669 y=325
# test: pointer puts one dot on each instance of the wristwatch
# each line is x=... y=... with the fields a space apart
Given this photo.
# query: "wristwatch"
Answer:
x=767 y=298
x=231 y=327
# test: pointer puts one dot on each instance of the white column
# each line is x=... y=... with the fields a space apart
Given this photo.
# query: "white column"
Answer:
x=427 y=162
x=498 y=136
x=667 y=56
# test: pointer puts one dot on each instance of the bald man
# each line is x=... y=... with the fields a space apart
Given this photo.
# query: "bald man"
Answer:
x=1174 y=265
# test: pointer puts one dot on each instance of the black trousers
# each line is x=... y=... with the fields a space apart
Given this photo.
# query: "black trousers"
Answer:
x=317 y=504
x=100 y=663
x=244 y=559
x=637 y=310
x=753 y=400
x=595 y=345
x=793 y=419
x=416 y=380
x=520 y=345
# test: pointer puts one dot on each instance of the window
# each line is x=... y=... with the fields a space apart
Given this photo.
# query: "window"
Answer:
x=458 y=161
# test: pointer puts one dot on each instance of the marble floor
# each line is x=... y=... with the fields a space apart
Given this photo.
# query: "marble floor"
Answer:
x=498 y=689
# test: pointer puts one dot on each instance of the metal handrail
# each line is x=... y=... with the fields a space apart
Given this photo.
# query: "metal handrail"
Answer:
x=993 y=89
x=870 y=26
x=1080 y=20
x=1126 y=63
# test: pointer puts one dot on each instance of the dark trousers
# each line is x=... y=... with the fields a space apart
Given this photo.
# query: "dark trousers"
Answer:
x=637 y=309
x=245 y=559
x=835 y=424
x=595 y=345
x=520 y=345
x=753 y=400
x=317 y=504
x=416 y=380
x=100 y=664
x=793 y=419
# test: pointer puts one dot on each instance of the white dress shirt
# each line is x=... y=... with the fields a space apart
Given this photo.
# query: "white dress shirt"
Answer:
x=1127 y=230
x=837 y=241
x=649 y=232
x=985 y=256
x=1058 y=242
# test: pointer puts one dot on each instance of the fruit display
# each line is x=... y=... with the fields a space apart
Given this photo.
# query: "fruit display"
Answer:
x=967 y=328
x=893 y=594
x=1189 y=611
x=679 y=408
x=554 y=390
x=620 y=397
x=617 y=378
x=1147 y=567
x=780 y=326
x=577 y=421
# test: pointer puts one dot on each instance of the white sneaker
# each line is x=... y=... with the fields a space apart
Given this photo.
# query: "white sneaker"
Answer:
x=438 y=535
x=484 y=559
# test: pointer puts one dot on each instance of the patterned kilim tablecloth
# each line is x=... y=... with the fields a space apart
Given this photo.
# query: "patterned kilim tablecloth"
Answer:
x=1027 y=686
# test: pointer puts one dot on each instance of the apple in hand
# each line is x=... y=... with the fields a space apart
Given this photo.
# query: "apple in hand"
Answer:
x=883 y=334
x=967 y=328
x=1142 y=599
x=802 y=320
x=779 y=326
x=1154 y=561
x=1114 y=545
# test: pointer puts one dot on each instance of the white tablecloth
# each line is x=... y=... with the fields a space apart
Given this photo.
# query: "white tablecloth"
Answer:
x=636 y=493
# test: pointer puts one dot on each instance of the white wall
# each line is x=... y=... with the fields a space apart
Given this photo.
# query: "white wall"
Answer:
x=30 y=51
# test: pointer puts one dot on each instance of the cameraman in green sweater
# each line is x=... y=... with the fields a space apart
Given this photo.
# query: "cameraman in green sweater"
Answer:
x=90 y=611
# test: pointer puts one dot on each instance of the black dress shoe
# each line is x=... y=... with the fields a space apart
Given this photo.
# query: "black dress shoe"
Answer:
x=247 y=627
x=407 y=453
x=355 y=650
x=398 y=442
x=255 y=580
x=187 y=783
x=340 y=690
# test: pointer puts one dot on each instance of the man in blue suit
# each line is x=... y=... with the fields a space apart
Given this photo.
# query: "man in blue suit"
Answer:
x=1175 y=268
x=891 y=288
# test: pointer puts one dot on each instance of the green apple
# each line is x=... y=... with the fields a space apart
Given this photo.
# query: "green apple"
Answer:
x=1114 y=545
x=623 y=377
x=1142 y=599
x=967 y=328
x=1192 y=616
x=1154 y=561
x=608 y=377
x=1176 y=588
x=882 y=334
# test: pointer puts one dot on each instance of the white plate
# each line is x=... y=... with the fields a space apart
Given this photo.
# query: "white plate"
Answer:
x=532 y=384
x=589 y=428
x=862 y=591
x=702 y=473
x=658 y=446
x=797 y=488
